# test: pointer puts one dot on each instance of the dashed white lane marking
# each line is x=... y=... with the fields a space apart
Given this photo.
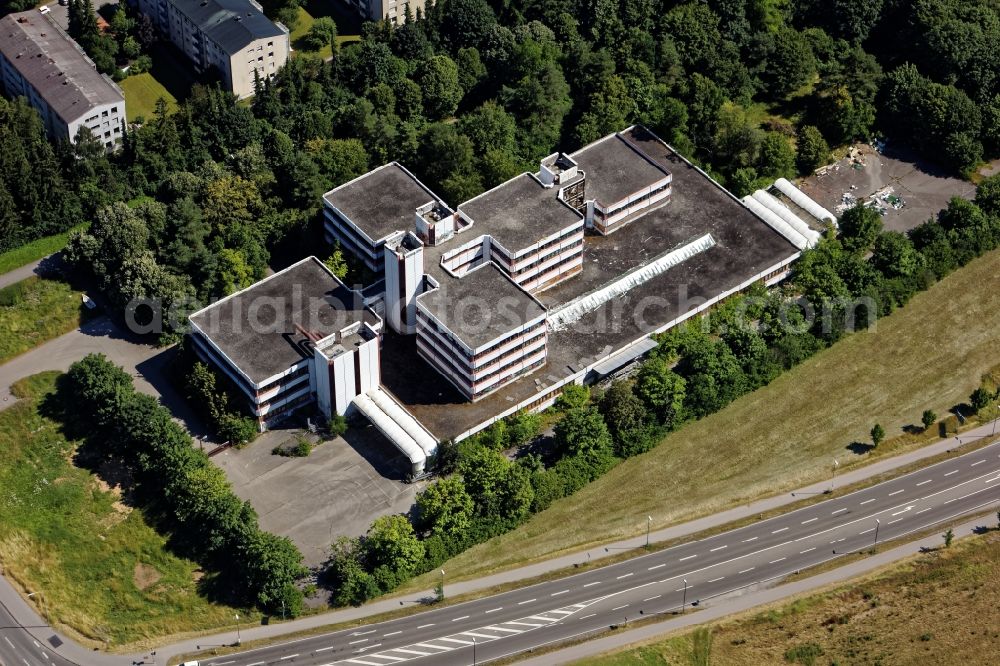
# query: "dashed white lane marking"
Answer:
x=556 y=594
x=978 y=462
x=894 y=521
x=687 y=558
x=363 y=640
x=867 y=501
x=780 y=529
x=776 y=561
x=623 y=576
x=811 y=520
x=324 y=649
x=456 y=619
x=750 y=539
x=9 y=643
x=493 y=610
x=747 y=570
x=424 y=626
x=925 y=482
x=896 y=492
x=954 y=471
x=834 y=513
x=923 y=510
x=839 y=540
x=719 y=548
x=287 y=656
x=619 y=607
x=596 y=582
x=716 y=580
x=363 y=633
x=586 y=616
x=38 y=645
x=681 y=589
x=651 y=598
x=657 y=566
x=527 y=601
x=807 y=550
x=867 y=531
x=391 y=633
x=261 y=663
x=454 y=640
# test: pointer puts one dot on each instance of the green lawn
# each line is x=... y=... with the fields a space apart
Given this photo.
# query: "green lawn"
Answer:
x=35 y=310
x=35 y=250
x=141 y=93
x=928 y=355
x=348 y=27
x=98 y=568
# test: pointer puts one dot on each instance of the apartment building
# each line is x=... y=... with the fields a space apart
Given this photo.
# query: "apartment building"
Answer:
x=40 y=62
x=393 y=11
x=233 y=36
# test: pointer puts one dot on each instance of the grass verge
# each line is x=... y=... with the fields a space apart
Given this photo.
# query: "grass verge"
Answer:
x=36 y=249
x=97 y=568
x=930 y=354
x=34 y=311
x=937 y=607
x=348 y=26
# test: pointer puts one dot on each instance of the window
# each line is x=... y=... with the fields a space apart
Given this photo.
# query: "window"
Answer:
x=107 y=134
x=104 y=114
x=271 y=54
x=270 y=43
x=117 y=130
x=260 y=59
x=114 y=109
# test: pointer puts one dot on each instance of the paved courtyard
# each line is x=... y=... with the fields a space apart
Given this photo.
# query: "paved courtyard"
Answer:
x=339 y=489
x=922 y=188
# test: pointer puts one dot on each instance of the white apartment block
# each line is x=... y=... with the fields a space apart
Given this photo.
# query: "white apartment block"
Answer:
x=43 y=64
x=233 y=36
x=393 y=11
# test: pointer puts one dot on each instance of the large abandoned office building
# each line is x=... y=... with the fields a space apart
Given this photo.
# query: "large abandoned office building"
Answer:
x=553 y=277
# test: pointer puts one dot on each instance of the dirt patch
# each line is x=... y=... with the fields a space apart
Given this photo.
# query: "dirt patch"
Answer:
x=145 y=576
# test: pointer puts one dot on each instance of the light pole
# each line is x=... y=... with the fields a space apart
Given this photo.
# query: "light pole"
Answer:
x=833 y=480
x=649 y=521
x=875 y=545
x=238 y=640
x=685 y=602
x=473 y=651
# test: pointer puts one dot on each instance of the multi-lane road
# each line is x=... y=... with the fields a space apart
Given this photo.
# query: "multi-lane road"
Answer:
x=661 y=582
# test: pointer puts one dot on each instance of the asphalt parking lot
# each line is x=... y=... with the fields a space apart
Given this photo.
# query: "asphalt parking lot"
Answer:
x=337 y=490
x=919 y=189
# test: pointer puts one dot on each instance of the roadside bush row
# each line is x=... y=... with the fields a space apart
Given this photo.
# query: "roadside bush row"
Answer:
x=696 y=370
x=177 y=481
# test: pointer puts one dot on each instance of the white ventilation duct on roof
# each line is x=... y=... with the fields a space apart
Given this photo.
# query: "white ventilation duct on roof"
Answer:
x=562 y=317
x=776 y=223
x=804 y=201
x=404 y=420
x=782 y=211
x=388 y=427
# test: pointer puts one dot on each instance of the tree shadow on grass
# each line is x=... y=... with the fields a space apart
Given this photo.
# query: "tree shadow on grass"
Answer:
x=860 y=448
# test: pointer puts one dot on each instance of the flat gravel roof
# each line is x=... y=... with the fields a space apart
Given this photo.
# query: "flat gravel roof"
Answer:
x=480 y=306
x=255 y=328
x=519 y=213
x=382 y=201
x=615 y=169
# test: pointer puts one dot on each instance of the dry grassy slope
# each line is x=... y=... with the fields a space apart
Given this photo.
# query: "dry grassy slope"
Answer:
x=938 y=608
x=929 y=354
